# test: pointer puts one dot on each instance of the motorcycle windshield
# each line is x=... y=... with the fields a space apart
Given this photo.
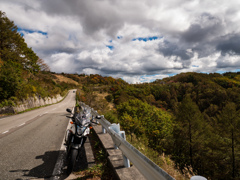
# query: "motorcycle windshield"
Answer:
x=84 y=117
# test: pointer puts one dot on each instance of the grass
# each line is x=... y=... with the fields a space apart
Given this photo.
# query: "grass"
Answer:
x=162 y=160
x=101 y=169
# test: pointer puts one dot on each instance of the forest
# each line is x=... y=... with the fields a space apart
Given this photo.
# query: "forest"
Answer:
x=194 y=118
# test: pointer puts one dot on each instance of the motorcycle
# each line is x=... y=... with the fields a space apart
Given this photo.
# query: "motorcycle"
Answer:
x=76 y=136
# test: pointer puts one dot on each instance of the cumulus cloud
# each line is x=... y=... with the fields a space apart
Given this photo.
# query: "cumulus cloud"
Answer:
x=139 y=40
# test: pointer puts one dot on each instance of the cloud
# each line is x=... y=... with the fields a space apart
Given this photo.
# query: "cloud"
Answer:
x=172 y=49
x=144 y=78
x=136 y=40
x=230 y=44
x=205 y=27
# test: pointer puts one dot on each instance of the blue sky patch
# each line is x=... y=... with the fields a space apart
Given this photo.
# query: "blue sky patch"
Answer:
x=110 y=47
x=172 y=74
x=220 y=72
x=20 y=30
x=151 y=78
x=145 y=39
x=194 y=66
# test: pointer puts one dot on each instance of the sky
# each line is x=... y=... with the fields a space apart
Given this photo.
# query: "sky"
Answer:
x=136 y=40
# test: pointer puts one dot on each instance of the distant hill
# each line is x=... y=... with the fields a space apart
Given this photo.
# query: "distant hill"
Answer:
x=192 y=117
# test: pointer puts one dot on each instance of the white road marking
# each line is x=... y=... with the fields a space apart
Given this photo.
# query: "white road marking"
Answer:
x=5 y=132
x=43 y=114
x=60 y=160
x=21 y=124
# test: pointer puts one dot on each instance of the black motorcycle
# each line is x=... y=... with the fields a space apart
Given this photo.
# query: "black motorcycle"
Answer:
x=76 y=136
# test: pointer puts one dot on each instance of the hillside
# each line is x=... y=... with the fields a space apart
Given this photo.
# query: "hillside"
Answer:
x=193 y=118
x=61 y=78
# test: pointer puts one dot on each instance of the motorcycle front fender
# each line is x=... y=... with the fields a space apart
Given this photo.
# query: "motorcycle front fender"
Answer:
x=76 y=146
x=79 y=145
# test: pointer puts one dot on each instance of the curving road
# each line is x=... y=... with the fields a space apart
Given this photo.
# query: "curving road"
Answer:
x=30 y=142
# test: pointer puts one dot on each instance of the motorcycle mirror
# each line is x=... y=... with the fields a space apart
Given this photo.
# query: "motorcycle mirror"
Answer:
x=69 y=110
x=98 y=117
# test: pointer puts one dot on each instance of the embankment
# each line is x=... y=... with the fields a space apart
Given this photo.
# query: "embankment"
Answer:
x=30 y=103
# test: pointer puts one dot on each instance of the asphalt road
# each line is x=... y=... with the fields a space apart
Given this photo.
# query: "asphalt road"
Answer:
x=30 y=142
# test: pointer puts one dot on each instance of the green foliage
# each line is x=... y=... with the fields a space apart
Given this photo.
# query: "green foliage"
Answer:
x=199 y=129
x=188 y=133
x=228 y=140
x=226 y=82
x=111 y=116
x=141 y=118
x=17 y=59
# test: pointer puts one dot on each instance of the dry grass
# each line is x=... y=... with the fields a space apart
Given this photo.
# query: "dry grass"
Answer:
x=61 y=78
x=162 y=160
x=101 y=169
x=101 y=97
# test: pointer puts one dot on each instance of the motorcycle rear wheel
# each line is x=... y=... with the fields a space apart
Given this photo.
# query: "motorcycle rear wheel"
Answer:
x=72 y=160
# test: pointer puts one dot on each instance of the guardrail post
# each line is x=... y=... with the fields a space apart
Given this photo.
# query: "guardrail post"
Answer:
x=103 y=129
x=93 y=116
x=198 y=178
x=126 y=161
x=116 y=128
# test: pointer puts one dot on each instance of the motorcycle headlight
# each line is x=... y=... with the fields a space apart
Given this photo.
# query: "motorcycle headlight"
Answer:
x=80 y=130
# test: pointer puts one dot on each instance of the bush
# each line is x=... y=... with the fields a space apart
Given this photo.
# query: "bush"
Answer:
x=111 y=116
x=109 y=98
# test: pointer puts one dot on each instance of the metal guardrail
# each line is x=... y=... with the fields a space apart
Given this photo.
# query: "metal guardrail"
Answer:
x=145 y=166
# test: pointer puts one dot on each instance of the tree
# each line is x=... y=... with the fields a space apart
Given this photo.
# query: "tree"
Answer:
x=229 y=131
x=13 y=49
x=188 y=132
x=43 y=66
x=17 y=60
x=141 y=118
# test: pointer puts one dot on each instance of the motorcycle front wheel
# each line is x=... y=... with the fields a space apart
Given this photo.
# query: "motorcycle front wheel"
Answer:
x=72 y=160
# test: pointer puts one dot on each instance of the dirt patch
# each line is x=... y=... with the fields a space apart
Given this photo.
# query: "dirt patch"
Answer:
x=101 y=96
x=62 y=78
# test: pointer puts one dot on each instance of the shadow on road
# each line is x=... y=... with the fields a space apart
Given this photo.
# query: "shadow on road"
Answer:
x=45 y=170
